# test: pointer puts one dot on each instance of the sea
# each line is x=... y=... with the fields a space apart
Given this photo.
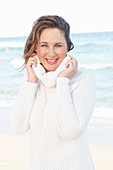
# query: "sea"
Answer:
x=94 y=52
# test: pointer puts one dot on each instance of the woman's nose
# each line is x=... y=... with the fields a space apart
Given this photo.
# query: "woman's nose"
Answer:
x=52 y=52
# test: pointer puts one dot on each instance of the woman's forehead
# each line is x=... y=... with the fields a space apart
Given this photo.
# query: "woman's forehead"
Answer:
x=52 y=35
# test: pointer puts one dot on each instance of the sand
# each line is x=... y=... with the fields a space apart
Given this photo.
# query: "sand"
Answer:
x=15 y=154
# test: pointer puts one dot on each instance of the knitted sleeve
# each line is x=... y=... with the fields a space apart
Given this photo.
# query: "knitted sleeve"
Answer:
x=73 y=111
x=21 y=110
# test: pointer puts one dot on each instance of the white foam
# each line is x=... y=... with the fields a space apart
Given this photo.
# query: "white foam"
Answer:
x=103 y=112
x=17 y=63
x=83 y=43
x=99 y=112
x=6 y=103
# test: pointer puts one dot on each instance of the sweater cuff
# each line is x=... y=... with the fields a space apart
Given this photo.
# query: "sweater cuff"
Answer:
x=63 y=87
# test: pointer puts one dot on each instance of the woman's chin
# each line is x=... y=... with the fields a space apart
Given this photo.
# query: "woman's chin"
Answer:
x=48 y=70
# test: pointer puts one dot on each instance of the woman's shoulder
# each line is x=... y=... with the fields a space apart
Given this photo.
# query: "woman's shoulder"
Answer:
x=81 y=78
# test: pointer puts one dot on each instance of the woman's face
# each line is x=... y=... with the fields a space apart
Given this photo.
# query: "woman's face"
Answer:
x=52 y=48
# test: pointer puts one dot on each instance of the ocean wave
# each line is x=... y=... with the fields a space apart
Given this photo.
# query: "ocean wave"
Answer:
x=17 y=63
x=96 y=66
x=103 y=112
x=95 y=43
x=99 y=112
x=6 y=103
x=83 y=43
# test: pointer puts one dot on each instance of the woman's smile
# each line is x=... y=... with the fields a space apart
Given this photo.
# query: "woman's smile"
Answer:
x=51 y=61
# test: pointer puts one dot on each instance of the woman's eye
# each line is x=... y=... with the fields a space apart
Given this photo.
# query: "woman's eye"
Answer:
x=58 y=45
x=43 y=45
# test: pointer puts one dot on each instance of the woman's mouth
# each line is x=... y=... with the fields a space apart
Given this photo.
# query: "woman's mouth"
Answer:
x=51 y=61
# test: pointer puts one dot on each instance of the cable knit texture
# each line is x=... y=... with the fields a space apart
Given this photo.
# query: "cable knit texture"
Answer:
x=57 y=117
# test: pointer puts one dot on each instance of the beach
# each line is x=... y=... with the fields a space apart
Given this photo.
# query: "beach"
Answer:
x=15 y=153
x=94 y=51
x=15 y=149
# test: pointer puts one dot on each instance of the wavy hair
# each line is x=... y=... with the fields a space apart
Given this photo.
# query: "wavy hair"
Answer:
x=49 y=21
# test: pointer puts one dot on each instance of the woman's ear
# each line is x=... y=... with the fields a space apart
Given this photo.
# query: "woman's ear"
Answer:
x=67 y=49
x=36 y=49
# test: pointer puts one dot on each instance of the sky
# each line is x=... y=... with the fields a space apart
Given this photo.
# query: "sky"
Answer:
x=17 y=17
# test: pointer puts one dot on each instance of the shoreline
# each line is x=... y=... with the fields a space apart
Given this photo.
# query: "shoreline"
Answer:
x=99 y=129
x=15 y=153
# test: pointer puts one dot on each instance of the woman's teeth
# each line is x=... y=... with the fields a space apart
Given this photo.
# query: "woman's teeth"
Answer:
x=51 y=60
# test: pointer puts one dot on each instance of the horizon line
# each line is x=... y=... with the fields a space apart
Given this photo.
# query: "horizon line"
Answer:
x=90 y=32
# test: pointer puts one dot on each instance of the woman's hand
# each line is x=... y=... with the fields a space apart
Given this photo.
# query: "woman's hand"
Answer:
x=31 y=74
x=71 y=68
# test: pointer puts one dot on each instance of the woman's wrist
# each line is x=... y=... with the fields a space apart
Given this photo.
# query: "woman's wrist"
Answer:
x=64 y=76
x=30 y=80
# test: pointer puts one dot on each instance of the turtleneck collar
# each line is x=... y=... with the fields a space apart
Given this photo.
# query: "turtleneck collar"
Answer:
x=49 y=78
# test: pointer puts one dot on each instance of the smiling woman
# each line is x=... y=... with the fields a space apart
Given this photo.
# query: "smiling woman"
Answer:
x=50 y=40
x=57 y=103
x=52 y=48
x=47 y=22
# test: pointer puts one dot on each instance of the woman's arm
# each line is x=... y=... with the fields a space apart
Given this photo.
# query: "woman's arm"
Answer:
x=73 y=111
x=22 y=108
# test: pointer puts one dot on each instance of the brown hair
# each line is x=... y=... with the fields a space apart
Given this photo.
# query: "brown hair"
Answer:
x=50 y=21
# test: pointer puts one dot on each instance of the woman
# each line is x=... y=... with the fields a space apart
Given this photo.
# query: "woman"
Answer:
x=55 y=110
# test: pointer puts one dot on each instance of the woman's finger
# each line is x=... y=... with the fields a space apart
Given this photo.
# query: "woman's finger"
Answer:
x=75 y=62
x=32 y=61
x=71 y=58
x=33 y=54
x=69 y=63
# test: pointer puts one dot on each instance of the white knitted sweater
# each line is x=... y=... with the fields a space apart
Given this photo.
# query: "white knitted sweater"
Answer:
x=57 y=117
